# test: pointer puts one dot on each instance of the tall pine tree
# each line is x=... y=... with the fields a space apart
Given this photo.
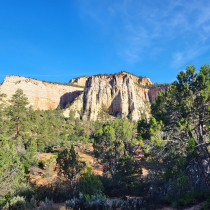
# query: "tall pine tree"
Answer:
x=18 y=111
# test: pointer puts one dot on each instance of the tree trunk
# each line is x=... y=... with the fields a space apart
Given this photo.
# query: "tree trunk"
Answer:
x=18 y=128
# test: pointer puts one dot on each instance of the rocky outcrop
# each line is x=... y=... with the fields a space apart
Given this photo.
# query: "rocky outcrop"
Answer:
x=81 y=81
x=41 y=95
x=117 y=95
x=139 y=80
x=145 y=81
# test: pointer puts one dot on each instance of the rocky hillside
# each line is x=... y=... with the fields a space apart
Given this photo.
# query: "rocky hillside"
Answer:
x=121 y=94
x=41 y=95
x=118 y=95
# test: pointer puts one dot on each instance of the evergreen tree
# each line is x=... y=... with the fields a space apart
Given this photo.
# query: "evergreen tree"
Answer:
x=128 y=173
x=115 y=137
x=2 y=113
x=68 y=163
x=18 y=111
x=180 y=127
x=108 y=147
x=89 y=183
x=11 y=168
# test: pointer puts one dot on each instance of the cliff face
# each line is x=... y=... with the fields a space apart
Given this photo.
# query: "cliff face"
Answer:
x=144 y=81
x=79 y=81
x=41 y=95
x=140 y=80
x=117 y=95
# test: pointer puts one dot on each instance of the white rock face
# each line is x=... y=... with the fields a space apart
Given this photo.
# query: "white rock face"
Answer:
x=118 y=94
x=41 y=95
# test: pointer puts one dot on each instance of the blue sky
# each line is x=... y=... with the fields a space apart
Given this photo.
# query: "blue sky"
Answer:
x=57 y=40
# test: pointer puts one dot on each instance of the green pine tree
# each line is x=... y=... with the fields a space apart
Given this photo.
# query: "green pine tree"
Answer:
x=68 y=163
x=128 y=173
x=18 y=111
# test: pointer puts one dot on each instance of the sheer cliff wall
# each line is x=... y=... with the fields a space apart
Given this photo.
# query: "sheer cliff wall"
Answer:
x=41 y=95
x=119 y=95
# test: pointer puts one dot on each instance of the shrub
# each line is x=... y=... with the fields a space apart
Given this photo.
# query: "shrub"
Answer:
x=128 y=173
x=88 y=202
x=179 y=188
x=207 y=205
x=42 y=163
x=15 y=203
x=89 y=183
x=46 y=205
x=129 y=204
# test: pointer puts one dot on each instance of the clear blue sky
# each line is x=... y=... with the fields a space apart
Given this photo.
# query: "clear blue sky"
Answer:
x=57 y=40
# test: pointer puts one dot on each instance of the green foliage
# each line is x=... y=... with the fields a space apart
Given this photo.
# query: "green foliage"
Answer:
x=129 y=204
x=128 y=172
x=72 y=115
x=94 y=202
x=108 y=145
x=179 y=188
x=207 y=205
x=68 y=163
x=11 y=168
x=178 y=127
x=89 y=183
x=17 y=111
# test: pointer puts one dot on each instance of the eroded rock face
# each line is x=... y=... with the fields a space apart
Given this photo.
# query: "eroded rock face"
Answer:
x=41 y=95
x=81 y=81
x=139 y=80
x=118 y=95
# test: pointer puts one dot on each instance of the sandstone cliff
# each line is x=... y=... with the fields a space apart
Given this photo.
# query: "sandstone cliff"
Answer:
x=41 y=95
x=139 y=80
x=81 y=81
x=118 y=95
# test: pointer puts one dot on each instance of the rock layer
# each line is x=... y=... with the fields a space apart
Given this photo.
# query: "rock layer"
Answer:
x=41 y=95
